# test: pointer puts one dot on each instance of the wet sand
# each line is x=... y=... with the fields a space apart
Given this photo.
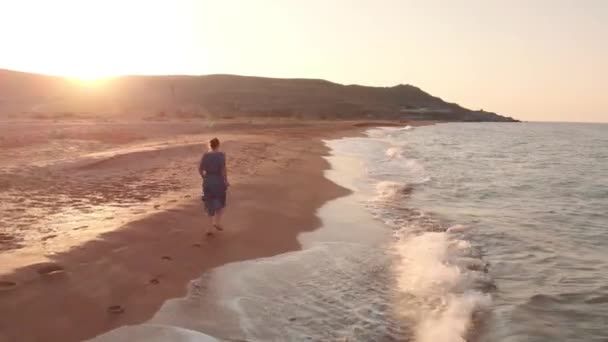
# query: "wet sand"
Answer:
x=101 y=223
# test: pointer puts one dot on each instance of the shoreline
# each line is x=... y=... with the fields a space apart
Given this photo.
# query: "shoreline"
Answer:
x=139 y=265
x=144 y=263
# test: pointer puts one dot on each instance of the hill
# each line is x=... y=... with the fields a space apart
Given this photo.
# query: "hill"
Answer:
x=223 y=95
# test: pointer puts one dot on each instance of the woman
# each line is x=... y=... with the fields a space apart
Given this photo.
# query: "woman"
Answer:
x=215 y=183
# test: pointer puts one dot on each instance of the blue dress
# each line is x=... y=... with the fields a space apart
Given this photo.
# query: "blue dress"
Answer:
x=214 y=184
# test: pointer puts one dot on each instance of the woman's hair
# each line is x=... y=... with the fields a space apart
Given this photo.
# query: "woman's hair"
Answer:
x=214 y=143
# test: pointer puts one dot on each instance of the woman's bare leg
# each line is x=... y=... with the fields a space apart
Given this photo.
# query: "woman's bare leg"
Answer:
x=209 y=227
x=218 y=219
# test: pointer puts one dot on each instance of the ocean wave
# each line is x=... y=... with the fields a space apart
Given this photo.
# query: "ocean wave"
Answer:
x=447 y=294
x=441 y=282
x=457 y=228
x=389 y=190
x=388 y=132
x=453 y=321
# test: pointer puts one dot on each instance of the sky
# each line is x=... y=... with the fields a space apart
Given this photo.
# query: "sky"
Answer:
x=536 y=60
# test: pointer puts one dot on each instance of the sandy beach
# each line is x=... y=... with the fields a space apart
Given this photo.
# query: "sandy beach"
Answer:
x=102 y=221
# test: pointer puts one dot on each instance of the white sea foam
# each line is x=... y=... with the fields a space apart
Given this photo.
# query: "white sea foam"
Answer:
x=383 y=132
x=457 y=228
x=451 y=321
x=387 y=190
x=429 y=270
x=423 y=264
x=394 y=152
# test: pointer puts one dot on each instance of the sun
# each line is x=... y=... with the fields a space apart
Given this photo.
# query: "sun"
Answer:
x=90 y=82
x=85 y=69
x=88 y=76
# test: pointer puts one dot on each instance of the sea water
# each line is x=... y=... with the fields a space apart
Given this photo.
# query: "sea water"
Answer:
x=453 y=232
x=527 y=203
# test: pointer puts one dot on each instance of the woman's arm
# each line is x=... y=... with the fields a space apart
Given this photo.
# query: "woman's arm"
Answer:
x=201 y=169
x=225 y=172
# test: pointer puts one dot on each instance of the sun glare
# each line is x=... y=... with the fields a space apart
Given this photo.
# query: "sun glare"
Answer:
x=90 y=81
x=91 y=40
x=83 y=75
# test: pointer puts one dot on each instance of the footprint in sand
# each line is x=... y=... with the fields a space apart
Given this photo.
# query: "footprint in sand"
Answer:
x=48 y=237
x=197 y=245
x=50 y=269
x=6 y=238
x=81 y=227
x=116 y=309
x=154 y=281
x=166 y=258
x=157 y=206
x=7 y=285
